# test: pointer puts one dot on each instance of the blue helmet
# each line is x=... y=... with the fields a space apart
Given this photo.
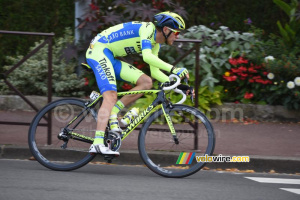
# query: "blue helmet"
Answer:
x=169 y=19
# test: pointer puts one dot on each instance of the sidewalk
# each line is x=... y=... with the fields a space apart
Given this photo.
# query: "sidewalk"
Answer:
x=271 y=146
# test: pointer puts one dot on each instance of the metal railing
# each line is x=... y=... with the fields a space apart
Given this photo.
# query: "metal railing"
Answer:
x=4 y=75
x=195 y=48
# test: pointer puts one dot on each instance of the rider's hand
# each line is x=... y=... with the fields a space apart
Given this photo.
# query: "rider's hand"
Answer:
x=187 y=89
x=181 y=72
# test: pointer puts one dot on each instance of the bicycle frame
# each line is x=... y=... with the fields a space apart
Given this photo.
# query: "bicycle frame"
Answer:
x=160 y=100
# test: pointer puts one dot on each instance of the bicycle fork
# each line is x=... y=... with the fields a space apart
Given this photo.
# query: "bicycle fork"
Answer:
x=166 y=112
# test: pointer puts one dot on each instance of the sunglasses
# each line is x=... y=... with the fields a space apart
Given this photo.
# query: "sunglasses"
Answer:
x=174 y=31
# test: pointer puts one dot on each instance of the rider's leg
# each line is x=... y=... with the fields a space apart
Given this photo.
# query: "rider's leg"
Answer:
x=98 y=146
x=143 y=83
x=113 y=119
x=128 y=73
x=98 y=57
x=109 y=100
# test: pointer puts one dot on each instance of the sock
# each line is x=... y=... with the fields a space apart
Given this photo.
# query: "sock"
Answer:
x=116 y=109
x=99 y=137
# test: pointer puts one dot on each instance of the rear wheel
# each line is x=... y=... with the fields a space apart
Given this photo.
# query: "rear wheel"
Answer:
x=168 y=158
x=56 y=148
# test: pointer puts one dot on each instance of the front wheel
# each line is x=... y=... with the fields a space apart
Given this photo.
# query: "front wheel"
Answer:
x=170 y=158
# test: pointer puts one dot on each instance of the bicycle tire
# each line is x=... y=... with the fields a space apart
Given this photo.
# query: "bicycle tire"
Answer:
x=52 y=155
x=159 y=151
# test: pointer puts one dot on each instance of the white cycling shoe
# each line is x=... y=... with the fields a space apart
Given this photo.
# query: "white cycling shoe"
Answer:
x=102 y=149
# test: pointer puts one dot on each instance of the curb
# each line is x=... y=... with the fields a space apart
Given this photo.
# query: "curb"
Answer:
x=131 y=157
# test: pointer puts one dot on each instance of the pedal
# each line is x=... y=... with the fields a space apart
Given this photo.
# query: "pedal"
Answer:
x=109 y=158
x=64 y=145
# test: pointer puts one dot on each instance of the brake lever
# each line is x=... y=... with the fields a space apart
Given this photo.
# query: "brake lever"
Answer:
x=192 y=90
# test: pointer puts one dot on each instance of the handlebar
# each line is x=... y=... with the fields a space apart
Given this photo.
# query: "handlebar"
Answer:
x=173 y=87
x=183 y=96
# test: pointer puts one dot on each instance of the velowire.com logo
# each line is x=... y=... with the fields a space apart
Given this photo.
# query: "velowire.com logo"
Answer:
x=186 y=158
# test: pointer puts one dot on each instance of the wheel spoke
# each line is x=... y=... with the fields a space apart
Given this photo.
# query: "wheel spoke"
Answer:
x=61 y=113
x=183 y=118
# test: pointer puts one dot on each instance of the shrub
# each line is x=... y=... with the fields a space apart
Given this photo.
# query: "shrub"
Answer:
x=284 y=67
x=245 y=82
x=31 y=77
x=215 y=49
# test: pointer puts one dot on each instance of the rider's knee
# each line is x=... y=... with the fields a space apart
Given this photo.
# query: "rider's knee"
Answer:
x=110 y=97
x=146 y=82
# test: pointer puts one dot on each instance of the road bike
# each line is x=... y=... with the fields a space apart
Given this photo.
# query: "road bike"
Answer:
x=170 y=139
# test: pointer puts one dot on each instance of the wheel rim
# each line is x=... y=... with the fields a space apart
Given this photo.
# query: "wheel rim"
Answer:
x=166 y=158
x=52 y=155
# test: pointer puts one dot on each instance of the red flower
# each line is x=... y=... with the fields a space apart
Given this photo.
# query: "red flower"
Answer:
x=265 y=73
x=94 y=7
x=126 y=86
x=233 y=61
x=252 y=70
x=235 y=70
x=265 y=82
x=256 y=77
x=257 y=67
x=140 y=66
x=242 y=68
x=230 y=78
x=259 y=80
x=248 y=95
x=241 y=60
x=251 y=81
x=86 y=82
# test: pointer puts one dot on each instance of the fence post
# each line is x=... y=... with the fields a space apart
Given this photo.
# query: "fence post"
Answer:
x=49 y=137
x=197 y=83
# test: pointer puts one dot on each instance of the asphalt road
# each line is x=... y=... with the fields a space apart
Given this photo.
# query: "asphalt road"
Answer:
x=28 y=180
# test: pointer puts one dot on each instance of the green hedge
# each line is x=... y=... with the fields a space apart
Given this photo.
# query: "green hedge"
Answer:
x=32 y=16
x=55 y=15
x=263 y=14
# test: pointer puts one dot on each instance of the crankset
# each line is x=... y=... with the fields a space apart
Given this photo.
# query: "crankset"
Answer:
x=113 y=141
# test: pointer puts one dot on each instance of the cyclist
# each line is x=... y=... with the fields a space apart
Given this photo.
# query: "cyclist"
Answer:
x=121 y=40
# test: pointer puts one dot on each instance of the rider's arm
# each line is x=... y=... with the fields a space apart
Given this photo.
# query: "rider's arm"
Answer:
x=153 y=60
x=147 y=33
x=155 y=71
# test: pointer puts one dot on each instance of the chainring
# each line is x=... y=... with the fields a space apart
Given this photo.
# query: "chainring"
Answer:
x=115 y=141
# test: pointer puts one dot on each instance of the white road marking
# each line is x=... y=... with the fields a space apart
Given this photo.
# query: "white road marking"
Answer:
x=293 y=190
x=275 y=180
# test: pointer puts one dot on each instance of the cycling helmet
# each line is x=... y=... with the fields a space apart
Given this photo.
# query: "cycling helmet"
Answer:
x=169 y=19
